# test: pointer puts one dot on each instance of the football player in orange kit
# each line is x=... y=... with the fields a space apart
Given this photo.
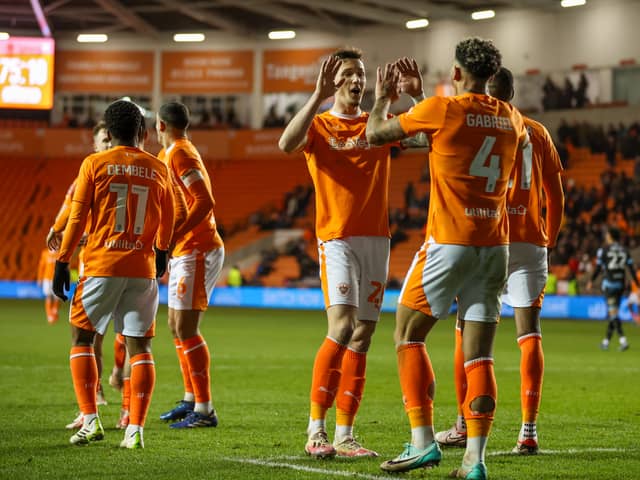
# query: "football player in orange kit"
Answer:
x=54 y=238
x=196 y=263
x=531 y=234
x=351 y=180
x=474 y=139
x=45 y=275
x=128 y=194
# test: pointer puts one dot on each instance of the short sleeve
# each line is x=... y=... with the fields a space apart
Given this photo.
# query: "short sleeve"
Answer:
x=427 y=116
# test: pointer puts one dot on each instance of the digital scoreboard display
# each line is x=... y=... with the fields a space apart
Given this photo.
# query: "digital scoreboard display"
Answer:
x=26 y=73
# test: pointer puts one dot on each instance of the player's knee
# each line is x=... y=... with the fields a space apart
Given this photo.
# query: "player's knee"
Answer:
x=483 y=404
x=342 y=333
x=361 y=337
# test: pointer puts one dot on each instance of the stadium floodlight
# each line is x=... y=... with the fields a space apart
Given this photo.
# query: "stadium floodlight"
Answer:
x=4 y=36
x=282 y=35
x=92 y=38
x=417 y=23
x=188 y=37
x=483 y=14
x=572 y=3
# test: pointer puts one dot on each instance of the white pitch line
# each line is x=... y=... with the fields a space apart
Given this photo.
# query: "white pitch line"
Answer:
x=303 y=468
x=340 y=473
x=569 y=451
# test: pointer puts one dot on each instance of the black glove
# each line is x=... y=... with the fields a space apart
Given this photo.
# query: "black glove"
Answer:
x=162 y=257
x=61 y=280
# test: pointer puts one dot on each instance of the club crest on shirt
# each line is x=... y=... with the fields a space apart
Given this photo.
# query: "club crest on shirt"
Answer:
x=344 y=289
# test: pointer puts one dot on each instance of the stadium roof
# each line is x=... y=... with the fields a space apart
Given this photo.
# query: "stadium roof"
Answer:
x=154 y=18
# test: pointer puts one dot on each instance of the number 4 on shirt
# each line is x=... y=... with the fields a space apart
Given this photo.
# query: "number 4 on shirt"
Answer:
x=492 y=172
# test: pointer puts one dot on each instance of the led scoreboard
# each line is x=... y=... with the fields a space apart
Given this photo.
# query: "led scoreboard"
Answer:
x=26 y=73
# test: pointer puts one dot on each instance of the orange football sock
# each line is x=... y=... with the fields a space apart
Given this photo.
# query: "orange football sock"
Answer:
x=143 y=379
x=184 y=366
x=196 y=352
x=351 y=386
x=417 y=383
x=119 y=351
x=481 y=382
x=459 y=375
x=47 y=308
x=55 y=307
x=327 y=370
x=126 y=394
x=531 y=373
x=84 y=372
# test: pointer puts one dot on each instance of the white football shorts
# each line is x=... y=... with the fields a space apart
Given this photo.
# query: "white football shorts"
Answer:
x=441 y=273
x=353 y=271
x=131 y=302
x=46 y=287
x=192 y=278
x=527 y=275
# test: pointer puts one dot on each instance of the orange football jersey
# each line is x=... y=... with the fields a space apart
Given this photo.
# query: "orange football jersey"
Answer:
x=63 y=215
x=351 y=177
x=186 y=167
x=128 y=193
x=474 y=139
x=539 y=159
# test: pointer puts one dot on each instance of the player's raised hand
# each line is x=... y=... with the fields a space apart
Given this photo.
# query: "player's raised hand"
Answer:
x=387 y=82
x=326 y=85
x=410 y=77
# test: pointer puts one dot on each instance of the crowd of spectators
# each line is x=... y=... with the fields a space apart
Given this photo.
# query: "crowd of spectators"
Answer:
x=588 y=214
x=567 y=96
x=613 y=140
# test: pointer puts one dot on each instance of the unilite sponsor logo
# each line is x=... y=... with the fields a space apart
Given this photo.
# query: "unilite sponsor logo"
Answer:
x=343 y=289
x=479 y=212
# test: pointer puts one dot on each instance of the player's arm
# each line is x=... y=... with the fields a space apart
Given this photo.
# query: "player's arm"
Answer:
x=294 y=137
x=54 y=237
x=597 y=270
x=180 y=208
x=167 y=221
x=632 y=271
x=80 y=205
x=380 y=128
x=552 y=186
x=191 y=176
x=411 y=84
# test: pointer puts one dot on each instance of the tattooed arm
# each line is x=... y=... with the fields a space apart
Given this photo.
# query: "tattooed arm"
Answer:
x=380 y=129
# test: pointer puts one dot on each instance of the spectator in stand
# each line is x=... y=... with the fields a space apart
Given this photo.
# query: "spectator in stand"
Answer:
x=581 y=99
x=272 y=120
x=566 y=98
x=234 y=277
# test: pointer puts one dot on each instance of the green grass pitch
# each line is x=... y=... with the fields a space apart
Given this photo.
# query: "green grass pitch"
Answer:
x=589 y=426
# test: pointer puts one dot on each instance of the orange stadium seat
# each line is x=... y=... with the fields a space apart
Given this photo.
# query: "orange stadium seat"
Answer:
x=31 y=192
x=285 y=267
x=33 y=189
x=245 y=186
x=403 y=253
x=406 y=168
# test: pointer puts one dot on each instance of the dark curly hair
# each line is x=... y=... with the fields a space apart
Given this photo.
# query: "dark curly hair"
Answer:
x=175 y=115
x=500 y=85
x=479 y=57
x=123 y=120
x=348 y=52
